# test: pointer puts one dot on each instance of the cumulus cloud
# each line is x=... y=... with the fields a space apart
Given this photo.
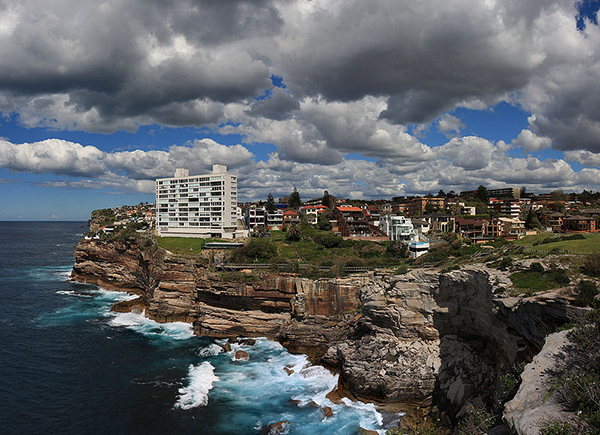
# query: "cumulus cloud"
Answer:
x=358 y=75
x=586 y=158
x=474 y=161
x=469 y=152
x=531 y=142
x=450 y=125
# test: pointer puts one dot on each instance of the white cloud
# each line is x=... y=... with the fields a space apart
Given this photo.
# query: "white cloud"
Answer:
x=450 y=125
x=469 y=152
x=586 y=158
x=531 y=142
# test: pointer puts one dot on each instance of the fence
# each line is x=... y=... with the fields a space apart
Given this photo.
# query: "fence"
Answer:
x=573 y=251
x=266 y=266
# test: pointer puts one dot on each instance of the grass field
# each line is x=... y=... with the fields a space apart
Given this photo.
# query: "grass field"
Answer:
x=181 y=245
x=589 y=245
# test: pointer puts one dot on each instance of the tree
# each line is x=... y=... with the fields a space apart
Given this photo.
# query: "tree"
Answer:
x=531 y=221
x=294 y=202
x=431 y=207
x=523 y=192
x=328 y=200
x=270 y=204
x=558 y=195
x=441 y=194
x=323 y=222
x=293 y=232
x=482 y=194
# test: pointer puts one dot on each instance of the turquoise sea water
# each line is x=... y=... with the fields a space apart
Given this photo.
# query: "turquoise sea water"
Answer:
x=71 y=366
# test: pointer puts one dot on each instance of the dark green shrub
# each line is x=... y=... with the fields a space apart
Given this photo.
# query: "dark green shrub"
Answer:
x=592 y=265
x=255 y=250
x=401 y=270
x=505 y=263
x=558 y=428
x=537 y=267
x=560 y=276
x=397 y=249
x=328 y=239
x=587 y=291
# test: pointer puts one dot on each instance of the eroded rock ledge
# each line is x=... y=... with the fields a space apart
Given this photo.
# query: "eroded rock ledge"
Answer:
x=435 y=341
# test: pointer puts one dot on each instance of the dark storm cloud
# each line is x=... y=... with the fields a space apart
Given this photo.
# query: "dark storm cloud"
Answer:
x=357 y=71
x=277 y=106
x=129 y=58
x=426 y=56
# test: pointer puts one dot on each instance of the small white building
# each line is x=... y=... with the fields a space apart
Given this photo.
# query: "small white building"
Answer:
x=416 y=249
x=255 y=216
x=398 y=228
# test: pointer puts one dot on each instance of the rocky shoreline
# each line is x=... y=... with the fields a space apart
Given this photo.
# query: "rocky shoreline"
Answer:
x=427 y=342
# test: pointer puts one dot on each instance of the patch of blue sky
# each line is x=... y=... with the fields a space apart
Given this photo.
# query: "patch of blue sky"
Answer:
x=147 y=137
x=261 y=150
x=359 y=156
x=587 y=11
x=29 y=202
x=502 y=122
x=278 y=81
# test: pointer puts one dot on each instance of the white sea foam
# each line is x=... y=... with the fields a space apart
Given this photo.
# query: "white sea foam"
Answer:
x=210 y=350
x=201 y=379
x=139 y=323
x=74 y=293
x=369 y=414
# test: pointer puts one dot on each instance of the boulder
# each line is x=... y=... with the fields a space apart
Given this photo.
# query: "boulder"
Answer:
x=534 y=406
x=240 y=355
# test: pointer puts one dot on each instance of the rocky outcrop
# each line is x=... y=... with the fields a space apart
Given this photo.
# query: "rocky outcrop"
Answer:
x=429 y=339
x=534 y=407
x=110 y=263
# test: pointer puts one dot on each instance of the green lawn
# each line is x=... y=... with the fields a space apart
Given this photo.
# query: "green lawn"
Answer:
x=181 y=245
x=532 y=281
x=589 y=245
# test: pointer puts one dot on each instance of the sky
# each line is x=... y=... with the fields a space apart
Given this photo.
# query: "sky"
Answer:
x=364 y=99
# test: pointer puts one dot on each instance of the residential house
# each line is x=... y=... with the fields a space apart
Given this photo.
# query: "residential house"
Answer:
x=353 y=223
x=255 y=216
x=443 y=223
x=478 y=230
x=275 y=220
x=398 y=228
x=579 y=224
x=291 y=217
x=421 y=225
x=512 y=229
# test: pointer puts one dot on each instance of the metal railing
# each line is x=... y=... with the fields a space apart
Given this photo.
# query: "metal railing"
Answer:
x=283 y=266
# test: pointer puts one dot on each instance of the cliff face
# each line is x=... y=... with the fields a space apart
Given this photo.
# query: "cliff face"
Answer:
x=424 y=338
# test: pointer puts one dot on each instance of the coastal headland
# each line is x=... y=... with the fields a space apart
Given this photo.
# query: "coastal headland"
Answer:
x=433 y=344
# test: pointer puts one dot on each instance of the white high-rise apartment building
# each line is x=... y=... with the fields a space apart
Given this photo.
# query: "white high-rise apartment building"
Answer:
x=197 y=205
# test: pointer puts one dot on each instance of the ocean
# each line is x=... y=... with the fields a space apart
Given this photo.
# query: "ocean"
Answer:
x=71 y=366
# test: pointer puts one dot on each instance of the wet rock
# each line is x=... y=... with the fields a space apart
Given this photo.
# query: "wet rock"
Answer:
x=327 y=412
x=240 y=355
x=278 y=428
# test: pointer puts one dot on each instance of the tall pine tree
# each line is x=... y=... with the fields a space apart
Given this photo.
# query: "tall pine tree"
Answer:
x=294 y=201
x=270 y=206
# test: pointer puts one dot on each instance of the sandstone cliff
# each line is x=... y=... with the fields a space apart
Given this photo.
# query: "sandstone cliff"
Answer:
x=433 y=341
